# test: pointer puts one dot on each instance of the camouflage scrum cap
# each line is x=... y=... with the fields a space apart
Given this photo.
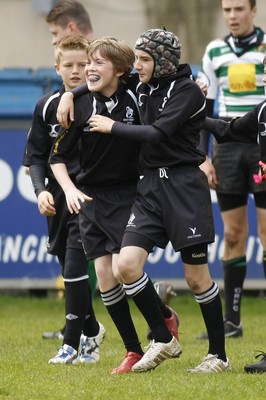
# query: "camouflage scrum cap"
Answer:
x=164 y=47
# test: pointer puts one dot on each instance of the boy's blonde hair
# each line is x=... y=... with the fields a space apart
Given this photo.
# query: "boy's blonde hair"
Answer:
x=72 y=42
x=115 y=50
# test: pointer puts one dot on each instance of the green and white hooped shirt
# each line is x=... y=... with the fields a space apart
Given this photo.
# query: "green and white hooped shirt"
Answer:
x=235 y=77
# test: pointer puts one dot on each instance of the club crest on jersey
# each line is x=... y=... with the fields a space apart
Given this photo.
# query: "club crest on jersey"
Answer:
x=129 y=118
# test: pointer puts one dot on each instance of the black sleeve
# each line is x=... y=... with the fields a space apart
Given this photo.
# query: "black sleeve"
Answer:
x=140 y=133
x=37 y=174
x=215 y=126
x=244 y=129
x=80 y=90
x=204 y=134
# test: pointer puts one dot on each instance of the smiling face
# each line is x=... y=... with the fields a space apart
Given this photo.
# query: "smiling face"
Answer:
x=101 y=75
x=72 y=68
x=144 y=65
x=239 y=16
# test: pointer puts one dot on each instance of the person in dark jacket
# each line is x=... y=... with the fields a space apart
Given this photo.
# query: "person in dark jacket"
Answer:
x=173 y=199
x=83 y=334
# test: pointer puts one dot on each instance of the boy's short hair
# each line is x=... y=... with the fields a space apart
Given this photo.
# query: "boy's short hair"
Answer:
x=251 y=2
x=115 y=50
x=66 y=11
x=71 y=42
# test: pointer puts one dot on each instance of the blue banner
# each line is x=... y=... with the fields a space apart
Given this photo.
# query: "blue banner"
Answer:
x=23 y=230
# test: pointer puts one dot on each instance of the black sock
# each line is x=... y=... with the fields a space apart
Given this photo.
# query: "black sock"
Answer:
x=61 y=260
x=211 y=309
x=146 y=298
x=234 y=276
x=77 y=298
x=115 y=301
x=165 y=310
x=91 y=325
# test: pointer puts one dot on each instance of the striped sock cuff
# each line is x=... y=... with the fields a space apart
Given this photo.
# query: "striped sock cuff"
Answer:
x=80 y=278
x=236 y=262
x=113 y=296
x=207 y=296
x=134 y=288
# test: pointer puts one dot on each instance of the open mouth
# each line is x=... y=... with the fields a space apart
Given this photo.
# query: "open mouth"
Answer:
x=93 y=78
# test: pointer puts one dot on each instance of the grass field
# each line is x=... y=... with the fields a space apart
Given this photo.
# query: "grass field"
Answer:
x=26 y=375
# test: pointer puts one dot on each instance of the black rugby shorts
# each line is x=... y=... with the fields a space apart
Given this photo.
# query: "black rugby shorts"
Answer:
x=175 y=206
x=235 y=164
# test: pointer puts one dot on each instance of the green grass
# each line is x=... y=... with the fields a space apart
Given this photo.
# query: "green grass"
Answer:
x=26 y=375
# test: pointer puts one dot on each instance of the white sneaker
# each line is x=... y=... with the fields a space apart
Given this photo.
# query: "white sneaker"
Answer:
x=157 y=352
x=66 y=355
x=101 y=333
x=211 y=363
x=89 y=346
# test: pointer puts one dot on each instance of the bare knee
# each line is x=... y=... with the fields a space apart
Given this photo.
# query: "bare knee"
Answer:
x=101 y=272
x=126 y=268
x=105 y=275
x=230 y=239
x=235 y=238
x=194 y=285
x=198 y=277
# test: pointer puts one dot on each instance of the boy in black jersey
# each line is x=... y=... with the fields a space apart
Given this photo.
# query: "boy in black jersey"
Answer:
x=173 y=200
x=66 y=18
x=106 y=185
x=63 y=228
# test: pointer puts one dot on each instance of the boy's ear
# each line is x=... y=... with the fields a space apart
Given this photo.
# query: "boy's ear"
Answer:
x=119 y=73
x=57 y=69
x=72 y=27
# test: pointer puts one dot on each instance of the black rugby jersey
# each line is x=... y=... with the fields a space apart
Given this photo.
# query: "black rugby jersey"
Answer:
x=106 y=161
x=42 y=134
x=172 y=109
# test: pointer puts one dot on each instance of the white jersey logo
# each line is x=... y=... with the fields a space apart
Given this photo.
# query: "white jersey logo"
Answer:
x=193 y=230
x=131 y=219
x=129 y=112
x=54 y=129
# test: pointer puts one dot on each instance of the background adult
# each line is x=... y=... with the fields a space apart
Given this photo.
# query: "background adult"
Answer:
x=233 y=67
x=69 y=17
